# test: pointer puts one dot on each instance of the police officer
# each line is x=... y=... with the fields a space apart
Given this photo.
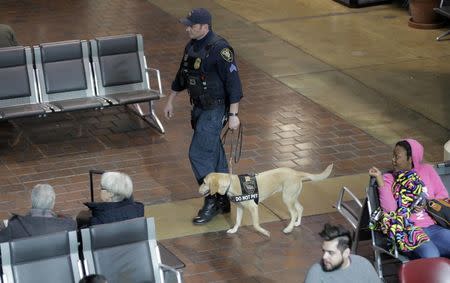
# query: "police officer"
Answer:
x=209 y=73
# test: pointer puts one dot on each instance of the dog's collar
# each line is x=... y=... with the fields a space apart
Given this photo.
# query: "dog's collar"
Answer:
x=228 y=188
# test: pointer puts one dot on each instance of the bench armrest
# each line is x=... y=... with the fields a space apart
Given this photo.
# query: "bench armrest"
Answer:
x=158 y=76
x=345 y=210
x=177 y=273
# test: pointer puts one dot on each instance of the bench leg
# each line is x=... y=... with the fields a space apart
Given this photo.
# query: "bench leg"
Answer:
x=148 y=115
x=17 y=138
x=23 y=137
x=378 y=265
x=443 y=35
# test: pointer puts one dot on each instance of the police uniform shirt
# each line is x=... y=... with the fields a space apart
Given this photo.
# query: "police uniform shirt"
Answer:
x=221 y=60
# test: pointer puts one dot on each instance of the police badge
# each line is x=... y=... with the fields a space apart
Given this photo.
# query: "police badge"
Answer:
x=227 y=55
x=197 y=63
x=249 y=184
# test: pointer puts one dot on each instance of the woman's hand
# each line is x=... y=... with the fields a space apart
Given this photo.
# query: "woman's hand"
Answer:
x=375 y=172
x=419 y=204
x=418 y=208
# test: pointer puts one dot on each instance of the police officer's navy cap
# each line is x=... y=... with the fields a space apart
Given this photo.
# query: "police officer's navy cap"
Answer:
x=197 y=16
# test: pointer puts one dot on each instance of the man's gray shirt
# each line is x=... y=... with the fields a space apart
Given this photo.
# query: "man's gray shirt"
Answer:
x=359 y=270
x=7 y=36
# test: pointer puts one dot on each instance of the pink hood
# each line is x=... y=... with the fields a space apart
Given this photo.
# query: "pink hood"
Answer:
x=434 y=188
x=416 y=152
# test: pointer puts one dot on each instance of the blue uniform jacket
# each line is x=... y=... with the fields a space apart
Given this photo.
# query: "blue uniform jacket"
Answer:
x=218 y=61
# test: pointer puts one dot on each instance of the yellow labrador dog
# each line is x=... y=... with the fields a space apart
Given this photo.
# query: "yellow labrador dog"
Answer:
x=285 y=180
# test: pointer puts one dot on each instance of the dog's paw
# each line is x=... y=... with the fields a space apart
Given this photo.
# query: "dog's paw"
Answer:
x=287 y=230
x=231 y=231
x=266 y=233
x=297 y=223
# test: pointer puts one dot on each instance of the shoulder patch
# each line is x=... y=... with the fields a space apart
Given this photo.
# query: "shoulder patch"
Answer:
x=226 y=54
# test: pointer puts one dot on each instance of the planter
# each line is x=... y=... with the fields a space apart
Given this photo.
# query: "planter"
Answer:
x=422 y=14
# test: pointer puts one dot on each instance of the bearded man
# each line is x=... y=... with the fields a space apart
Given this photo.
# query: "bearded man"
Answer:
x=337 y=264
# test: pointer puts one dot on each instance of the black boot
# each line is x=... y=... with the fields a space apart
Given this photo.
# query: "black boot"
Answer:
x=208 y=211
x=223 y=202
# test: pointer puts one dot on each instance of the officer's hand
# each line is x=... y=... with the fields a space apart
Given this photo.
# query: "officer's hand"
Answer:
x=233 y=122
x=168 y=110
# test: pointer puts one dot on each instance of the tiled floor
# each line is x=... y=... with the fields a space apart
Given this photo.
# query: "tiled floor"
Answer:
x=251 y=257
x=282 y=128
x=329 y=123
x=366 y=65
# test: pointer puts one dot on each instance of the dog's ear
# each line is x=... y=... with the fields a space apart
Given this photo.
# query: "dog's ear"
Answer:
x=213 y=181
x=223 y=183
x=218 y=183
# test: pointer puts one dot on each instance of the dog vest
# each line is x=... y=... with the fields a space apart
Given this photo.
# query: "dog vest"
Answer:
x=249 y=188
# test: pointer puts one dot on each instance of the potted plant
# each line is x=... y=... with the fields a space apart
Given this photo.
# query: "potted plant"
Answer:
x=422 y=14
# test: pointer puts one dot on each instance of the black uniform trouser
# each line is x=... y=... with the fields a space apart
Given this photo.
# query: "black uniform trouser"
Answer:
x=206 y=152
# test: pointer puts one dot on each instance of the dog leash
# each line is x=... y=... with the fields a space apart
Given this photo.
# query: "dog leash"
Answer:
x=235 y=143
x=235 y=147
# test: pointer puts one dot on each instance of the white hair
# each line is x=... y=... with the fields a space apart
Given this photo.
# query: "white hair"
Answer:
x=43 y=197
x=119 y=184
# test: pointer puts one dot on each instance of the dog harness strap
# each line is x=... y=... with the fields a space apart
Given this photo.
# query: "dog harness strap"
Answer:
x=249 y=188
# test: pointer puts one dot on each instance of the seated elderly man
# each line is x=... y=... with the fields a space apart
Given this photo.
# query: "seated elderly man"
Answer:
x=7 y=36
x=118 y=203
x=40 y=220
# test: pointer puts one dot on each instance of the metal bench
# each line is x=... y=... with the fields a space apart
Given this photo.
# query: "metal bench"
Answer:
x=444 y=10
x=65 y=80
x=357 y=213
x=19 y=96
x=121 y=74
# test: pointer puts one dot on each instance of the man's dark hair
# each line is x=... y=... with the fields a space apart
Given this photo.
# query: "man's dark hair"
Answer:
x=338 y=232
x=94 y=278
x=407 y=147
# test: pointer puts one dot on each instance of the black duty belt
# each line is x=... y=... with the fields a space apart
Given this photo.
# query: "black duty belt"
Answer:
x=249 y=188
x=212 y=103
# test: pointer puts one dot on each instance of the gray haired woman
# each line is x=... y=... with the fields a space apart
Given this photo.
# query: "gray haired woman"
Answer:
x=118 y=203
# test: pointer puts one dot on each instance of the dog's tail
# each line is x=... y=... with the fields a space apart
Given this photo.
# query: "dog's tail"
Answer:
x=320 y=176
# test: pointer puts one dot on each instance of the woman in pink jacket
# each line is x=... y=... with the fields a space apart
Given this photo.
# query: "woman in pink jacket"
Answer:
x=413 y=229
